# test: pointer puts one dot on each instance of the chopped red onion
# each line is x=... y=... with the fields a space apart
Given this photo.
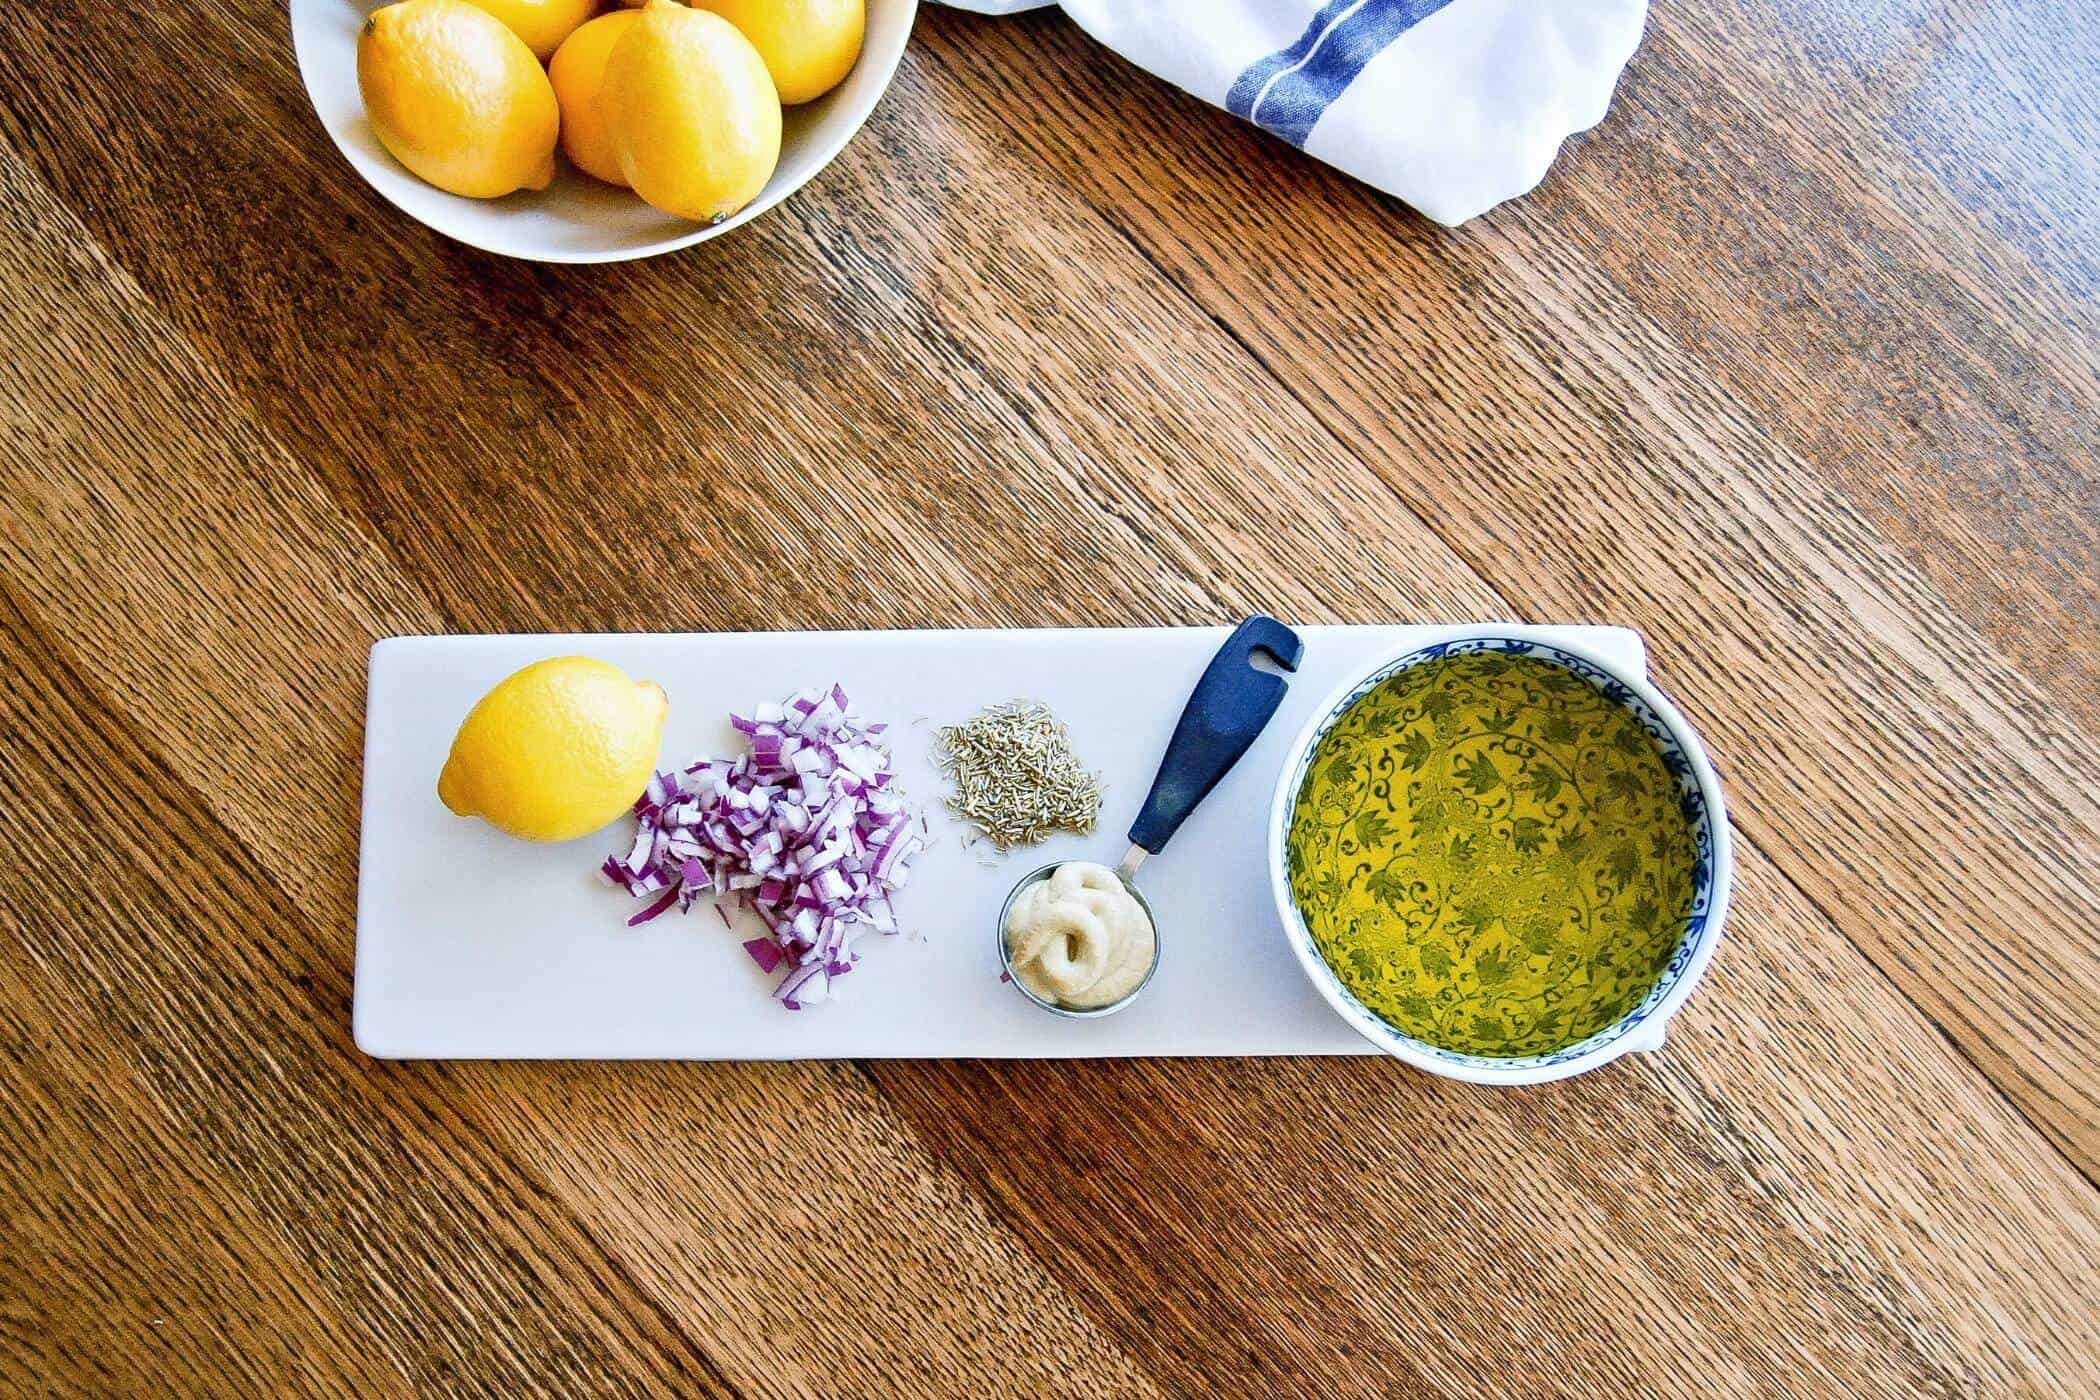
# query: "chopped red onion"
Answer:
x=805 y=829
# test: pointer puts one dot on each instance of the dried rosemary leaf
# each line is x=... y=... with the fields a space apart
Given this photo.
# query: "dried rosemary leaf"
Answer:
x=1014 y=775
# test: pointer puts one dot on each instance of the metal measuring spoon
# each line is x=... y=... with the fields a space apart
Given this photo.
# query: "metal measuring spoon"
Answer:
x=1229 y=707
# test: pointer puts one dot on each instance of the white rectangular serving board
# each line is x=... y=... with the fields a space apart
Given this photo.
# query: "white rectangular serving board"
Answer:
x=473 y=945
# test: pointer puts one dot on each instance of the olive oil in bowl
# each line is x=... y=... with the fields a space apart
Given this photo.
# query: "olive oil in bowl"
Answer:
x=1492 y=855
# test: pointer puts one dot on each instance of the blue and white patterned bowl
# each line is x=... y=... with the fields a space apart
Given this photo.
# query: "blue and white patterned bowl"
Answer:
x=1713 y=873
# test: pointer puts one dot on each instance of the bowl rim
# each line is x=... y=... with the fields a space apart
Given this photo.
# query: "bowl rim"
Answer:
x=307 y=55
x=1643 y=1029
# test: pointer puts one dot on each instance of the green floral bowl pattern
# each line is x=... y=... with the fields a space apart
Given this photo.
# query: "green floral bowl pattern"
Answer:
x=1685 y=956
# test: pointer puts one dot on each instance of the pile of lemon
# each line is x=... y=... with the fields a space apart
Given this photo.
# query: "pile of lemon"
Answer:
x=679 y=103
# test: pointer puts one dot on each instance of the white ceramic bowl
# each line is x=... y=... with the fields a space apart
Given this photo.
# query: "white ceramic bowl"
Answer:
x=1641 y=1028
x=577 y=219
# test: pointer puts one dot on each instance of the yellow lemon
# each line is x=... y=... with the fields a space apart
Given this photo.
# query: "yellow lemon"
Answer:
x=557 y=750
x=692 y=113
x=578 y=71
x=542 y=24
x=809 y=45
x=457 y=98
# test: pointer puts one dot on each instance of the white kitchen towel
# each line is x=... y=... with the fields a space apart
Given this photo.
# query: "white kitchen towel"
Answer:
x=1452 y=105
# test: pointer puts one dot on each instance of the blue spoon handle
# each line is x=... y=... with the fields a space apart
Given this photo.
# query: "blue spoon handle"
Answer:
x=1230 y=706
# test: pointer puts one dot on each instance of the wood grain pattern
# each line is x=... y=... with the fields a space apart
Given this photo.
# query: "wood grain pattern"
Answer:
x=1791 y=364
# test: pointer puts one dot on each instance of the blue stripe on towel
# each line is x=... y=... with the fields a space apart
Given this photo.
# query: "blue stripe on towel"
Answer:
x=1239 y=100
x=1290 y=90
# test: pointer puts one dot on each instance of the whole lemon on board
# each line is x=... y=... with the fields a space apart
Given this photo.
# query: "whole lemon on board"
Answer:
x=557 y=750
x=457 y=98
x=809 y=45
x=578 y=71
x=542 y=24
x=692 y=112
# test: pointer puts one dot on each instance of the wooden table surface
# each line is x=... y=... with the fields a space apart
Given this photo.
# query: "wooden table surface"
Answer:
x=1793 y=364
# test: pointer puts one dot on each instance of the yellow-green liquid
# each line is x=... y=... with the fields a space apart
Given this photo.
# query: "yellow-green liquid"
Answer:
x=1492 y=855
